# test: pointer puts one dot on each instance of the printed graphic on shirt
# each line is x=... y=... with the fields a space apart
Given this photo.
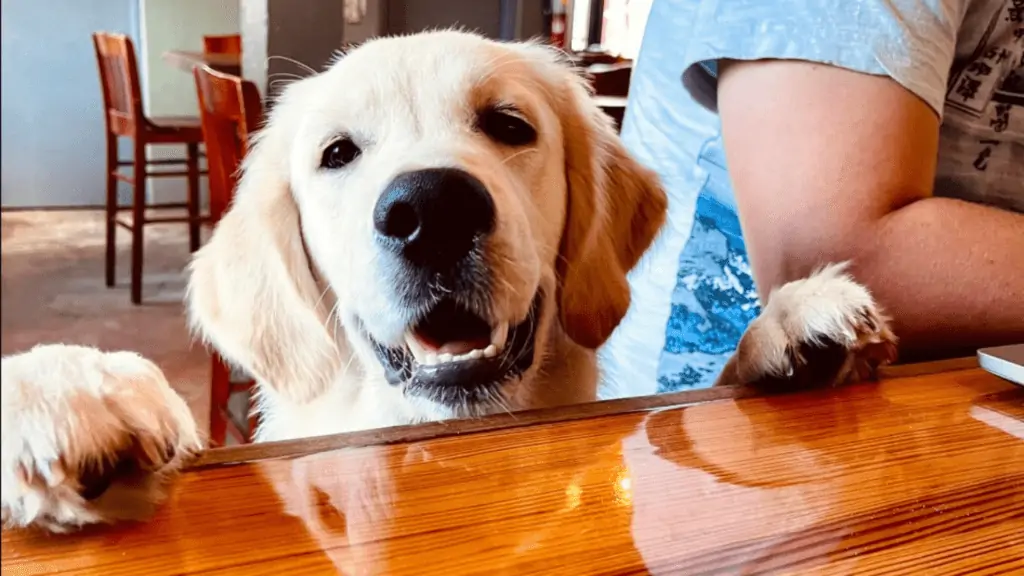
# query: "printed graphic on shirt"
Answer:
x=984 y=79
x=714 y=298
x=982 y=145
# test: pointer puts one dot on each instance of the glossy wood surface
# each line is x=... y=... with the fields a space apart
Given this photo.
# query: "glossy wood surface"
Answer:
x=916 y=475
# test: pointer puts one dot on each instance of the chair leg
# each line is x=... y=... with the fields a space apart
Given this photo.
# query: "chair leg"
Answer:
x=192 y=165
x=111 y=263
x=220 y=391
x=138 y=217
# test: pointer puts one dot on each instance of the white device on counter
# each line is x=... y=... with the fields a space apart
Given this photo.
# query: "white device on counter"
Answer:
x=1004 y=361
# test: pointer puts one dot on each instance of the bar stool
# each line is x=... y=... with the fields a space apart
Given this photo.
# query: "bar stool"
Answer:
x=230 y=110
x=124 y=117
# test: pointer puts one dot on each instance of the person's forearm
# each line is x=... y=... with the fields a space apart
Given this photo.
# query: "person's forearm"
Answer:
x=949 y=273
x=830 y=164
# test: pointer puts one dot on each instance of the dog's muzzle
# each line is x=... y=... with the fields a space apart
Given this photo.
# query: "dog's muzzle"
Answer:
x=454 y=357
x=432 y=226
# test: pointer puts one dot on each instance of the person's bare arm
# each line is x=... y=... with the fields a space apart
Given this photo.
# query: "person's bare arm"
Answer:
x=828 y=165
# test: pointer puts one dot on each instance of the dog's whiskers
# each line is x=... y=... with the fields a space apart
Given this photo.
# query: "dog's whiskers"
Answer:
x=508 y=285
x=531 y=319
x=506 y=352
x=495 y=68
x=303 y=67
x=336 y=323
x=497 y=398
x=560 y=259
x=519 y=153
x=279 y=82
x=285 y=76
x=282 y=79
x=321 y=299
x=348 y=366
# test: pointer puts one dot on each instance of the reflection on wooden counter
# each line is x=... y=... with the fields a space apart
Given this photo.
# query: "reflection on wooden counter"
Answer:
x=915 y=475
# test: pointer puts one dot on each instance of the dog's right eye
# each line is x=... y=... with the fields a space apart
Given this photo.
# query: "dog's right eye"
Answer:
x=505 y=126
x=340 y=153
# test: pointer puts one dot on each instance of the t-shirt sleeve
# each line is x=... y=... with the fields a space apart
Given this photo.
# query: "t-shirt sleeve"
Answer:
x=911 y=41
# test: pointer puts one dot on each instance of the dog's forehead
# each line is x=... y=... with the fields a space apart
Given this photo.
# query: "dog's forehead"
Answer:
x=429 y=76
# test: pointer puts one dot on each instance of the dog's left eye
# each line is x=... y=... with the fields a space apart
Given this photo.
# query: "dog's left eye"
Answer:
x=506 y=128
x=340 y=153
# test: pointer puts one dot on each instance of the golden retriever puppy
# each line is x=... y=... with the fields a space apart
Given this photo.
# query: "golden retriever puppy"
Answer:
x=438 y=226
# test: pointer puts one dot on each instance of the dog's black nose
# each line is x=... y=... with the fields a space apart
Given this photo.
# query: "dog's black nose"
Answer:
x=434 y=217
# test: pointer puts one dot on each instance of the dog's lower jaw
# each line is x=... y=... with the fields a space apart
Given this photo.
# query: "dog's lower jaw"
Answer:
x=563 y=373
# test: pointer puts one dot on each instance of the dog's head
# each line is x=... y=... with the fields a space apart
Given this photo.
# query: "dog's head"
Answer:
x=439 y=205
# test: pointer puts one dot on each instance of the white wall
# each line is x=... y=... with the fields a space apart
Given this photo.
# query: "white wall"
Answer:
x=52 y=143
x=168 y=91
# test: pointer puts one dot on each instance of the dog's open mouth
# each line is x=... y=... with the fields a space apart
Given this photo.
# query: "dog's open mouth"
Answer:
x=453 y=356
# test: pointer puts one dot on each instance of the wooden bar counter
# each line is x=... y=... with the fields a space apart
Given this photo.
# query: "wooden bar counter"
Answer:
x=922 y=473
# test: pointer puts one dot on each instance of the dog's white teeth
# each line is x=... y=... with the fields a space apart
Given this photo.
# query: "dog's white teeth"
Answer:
x=418 y=351
x=426 y=358
x=499 y=335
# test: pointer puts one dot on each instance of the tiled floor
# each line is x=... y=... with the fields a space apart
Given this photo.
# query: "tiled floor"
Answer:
x=53 y=291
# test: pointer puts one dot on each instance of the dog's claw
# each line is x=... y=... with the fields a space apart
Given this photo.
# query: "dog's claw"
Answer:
x=804 y=322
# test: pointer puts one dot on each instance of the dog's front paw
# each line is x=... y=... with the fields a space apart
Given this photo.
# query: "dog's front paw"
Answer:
x=88 y=437
x=823 y=330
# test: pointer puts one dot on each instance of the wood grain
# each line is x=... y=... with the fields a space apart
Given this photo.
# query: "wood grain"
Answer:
x=915 y=475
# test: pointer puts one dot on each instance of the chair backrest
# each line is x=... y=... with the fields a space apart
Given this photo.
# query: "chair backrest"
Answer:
x=231 y=111
x=229 y=44
x=611 y=79
x=119 y=78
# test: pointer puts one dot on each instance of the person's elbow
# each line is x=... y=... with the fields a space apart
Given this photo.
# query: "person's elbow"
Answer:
x=866 y=242
x=799 y=249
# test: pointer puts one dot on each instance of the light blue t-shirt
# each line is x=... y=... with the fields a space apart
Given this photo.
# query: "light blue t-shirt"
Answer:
x=693 y=293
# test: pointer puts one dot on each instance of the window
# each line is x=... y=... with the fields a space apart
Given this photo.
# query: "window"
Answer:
x=612 y=26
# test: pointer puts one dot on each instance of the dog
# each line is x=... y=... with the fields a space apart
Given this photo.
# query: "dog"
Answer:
x=437 y=226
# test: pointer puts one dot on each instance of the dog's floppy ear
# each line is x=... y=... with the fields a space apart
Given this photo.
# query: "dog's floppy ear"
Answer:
x=251 y=291
x=614 y=209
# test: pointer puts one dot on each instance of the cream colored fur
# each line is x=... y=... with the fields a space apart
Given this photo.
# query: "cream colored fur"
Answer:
x=293 y=264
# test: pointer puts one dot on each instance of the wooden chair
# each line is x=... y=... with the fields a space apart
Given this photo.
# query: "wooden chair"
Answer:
x=122 y=101
x=229 y=44
x=230 y=110
x=611 y=79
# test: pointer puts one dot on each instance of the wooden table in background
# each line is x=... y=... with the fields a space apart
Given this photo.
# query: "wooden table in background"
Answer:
x=613 y=105
x=185 y=60
x=918 y=474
